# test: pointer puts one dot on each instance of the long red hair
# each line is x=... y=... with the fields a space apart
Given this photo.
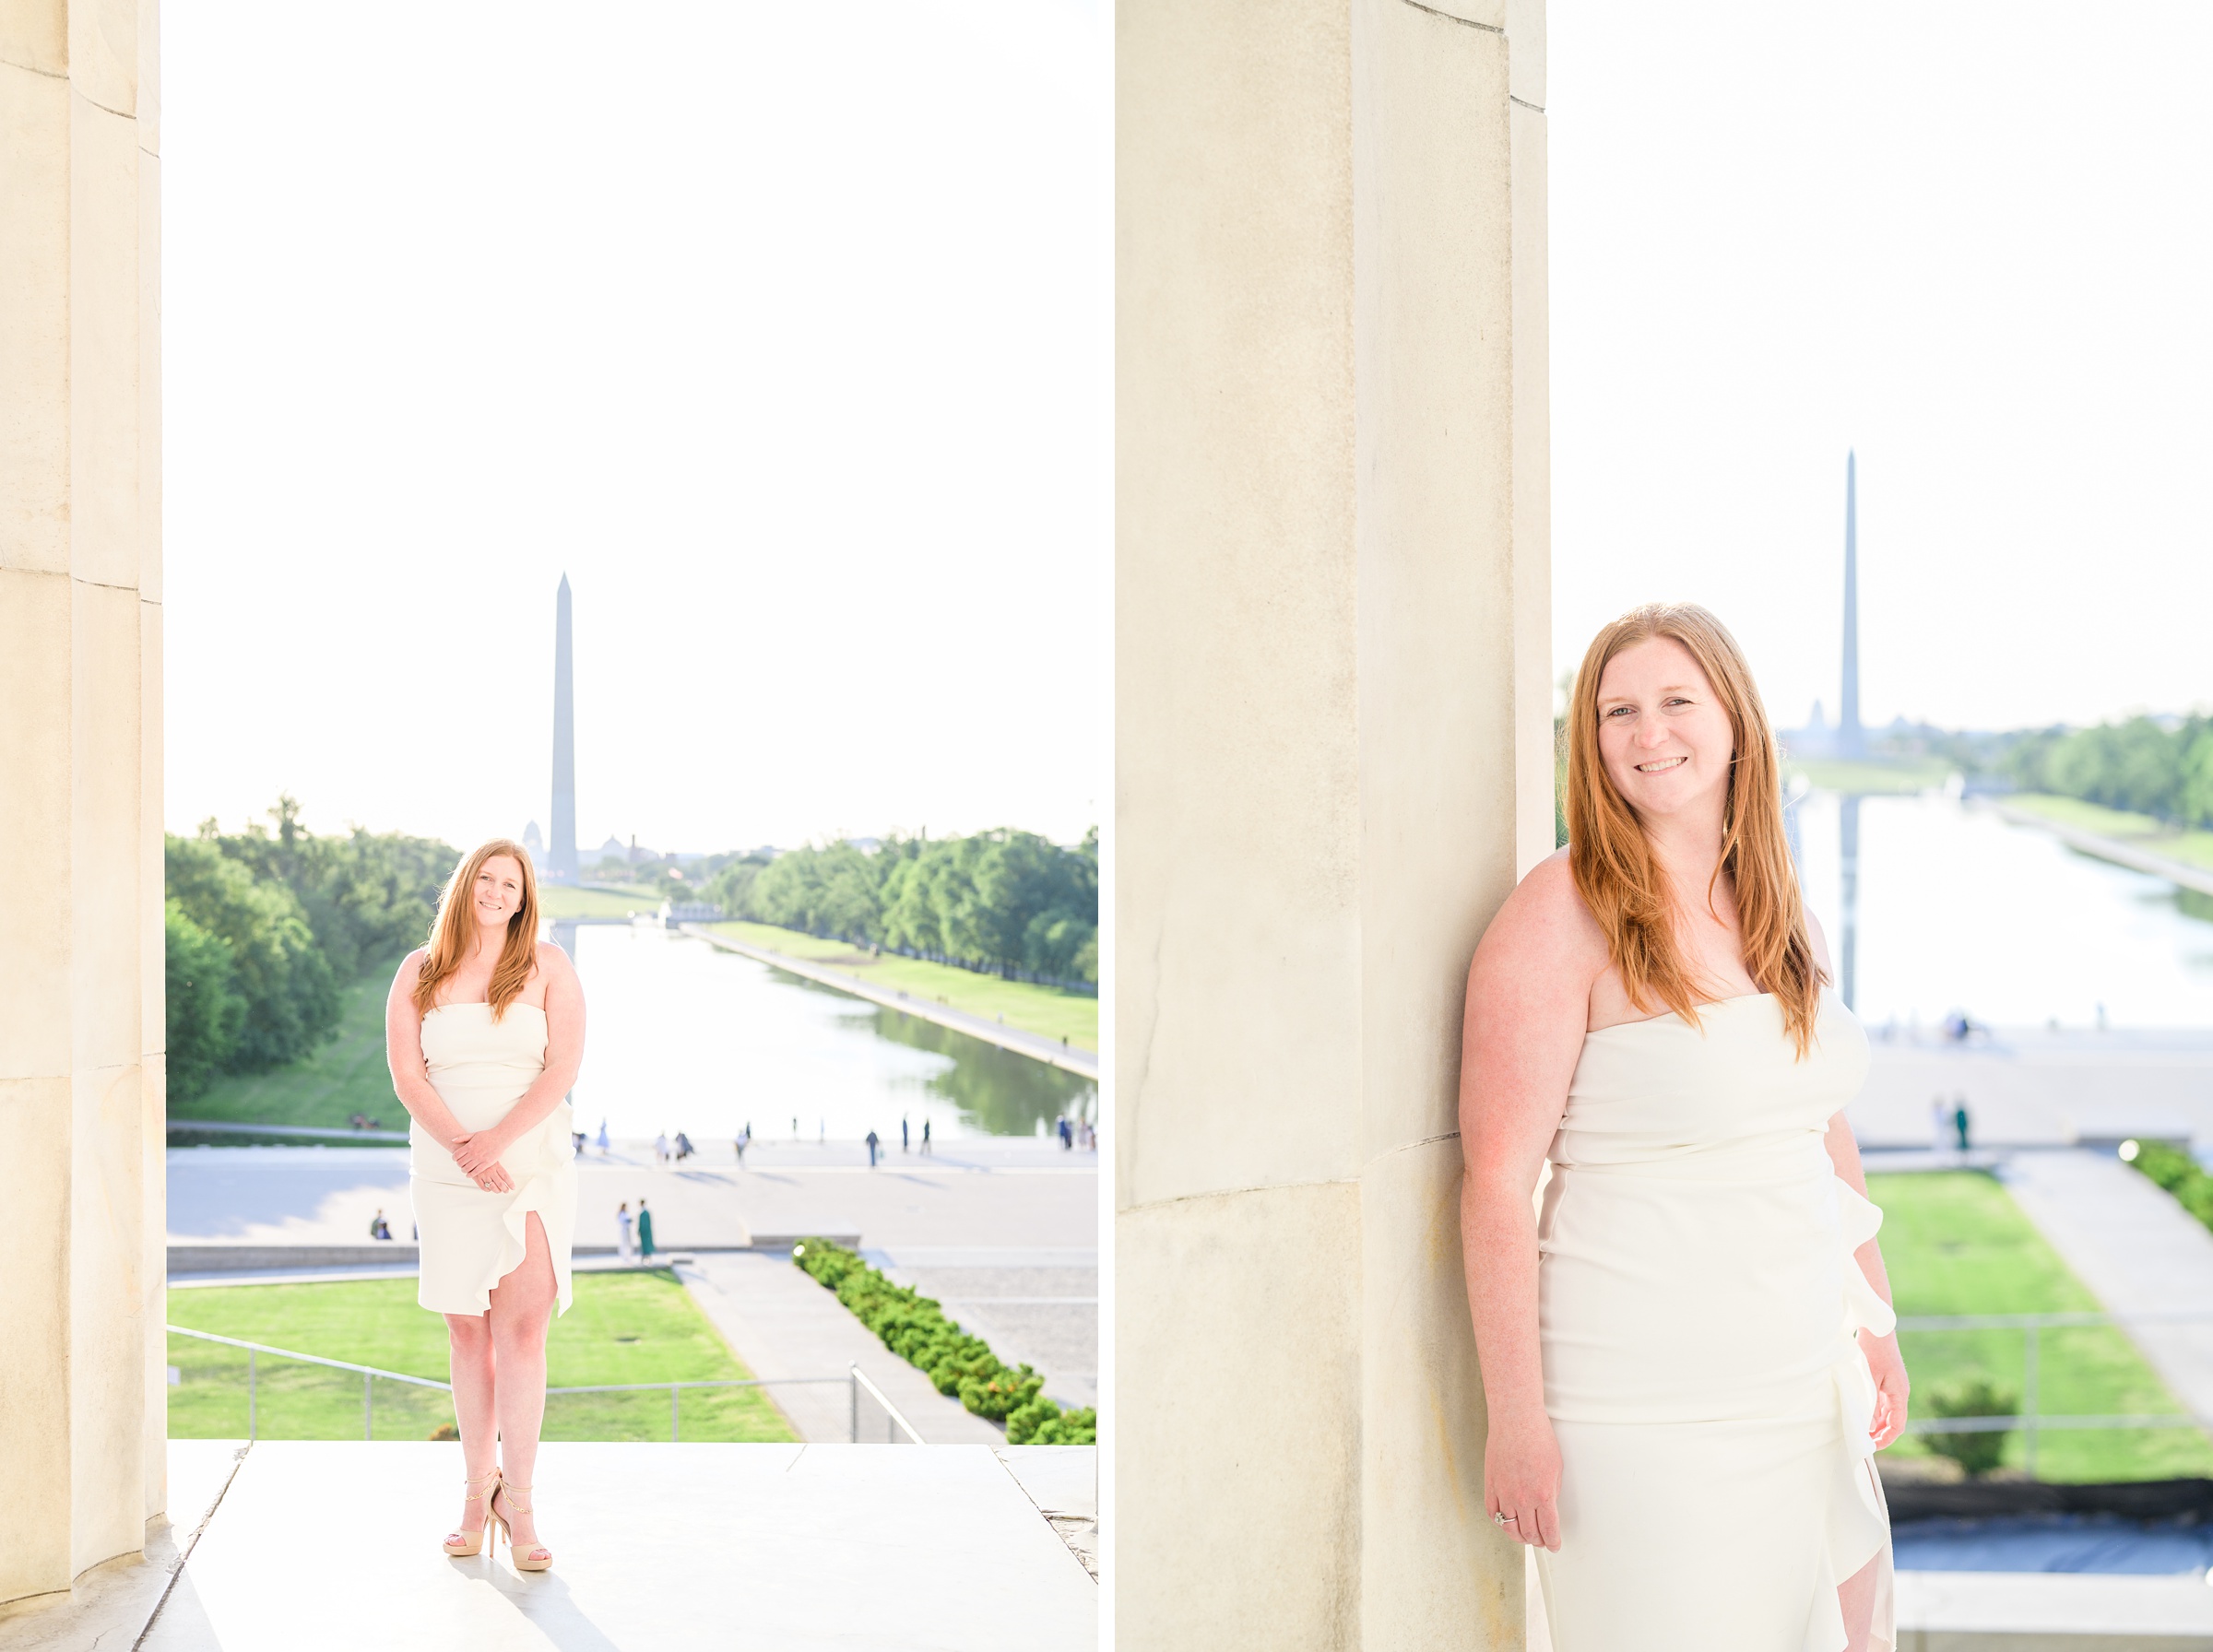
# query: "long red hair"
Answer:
x=454 y=932
x=1614 y=870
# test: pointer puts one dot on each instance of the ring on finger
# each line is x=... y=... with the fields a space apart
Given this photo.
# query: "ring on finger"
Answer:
x=1499 y=1518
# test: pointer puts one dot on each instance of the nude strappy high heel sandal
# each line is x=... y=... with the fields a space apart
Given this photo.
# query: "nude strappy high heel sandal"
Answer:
x=460 y=1547
x=523 y=1562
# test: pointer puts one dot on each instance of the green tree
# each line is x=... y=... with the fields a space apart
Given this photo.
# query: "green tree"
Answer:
x=290 y=996
x=368 y=896
x=205 y=1012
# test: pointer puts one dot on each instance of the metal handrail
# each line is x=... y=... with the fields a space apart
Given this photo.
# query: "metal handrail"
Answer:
x=855 y=1379
x=313 y=1359
x=860 y=1380
x=2030 y=1421
x=1980 y=1322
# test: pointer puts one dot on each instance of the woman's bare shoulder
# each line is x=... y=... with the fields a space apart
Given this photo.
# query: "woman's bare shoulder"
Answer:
x=553 y=963
x=1546 y=925
x=1819 y=943
x=410 y=970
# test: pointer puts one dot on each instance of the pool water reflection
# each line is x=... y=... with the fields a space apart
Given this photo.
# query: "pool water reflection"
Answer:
x=1957 y=909
x=682 y=1036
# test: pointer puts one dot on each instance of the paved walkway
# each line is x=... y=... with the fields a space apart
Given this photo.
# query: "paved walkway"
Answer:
x=2033 y=1087
x=1050 y=1050
x=780 y=1323
x=333 y=1546
x=2136 y=1249
x=2139 y=855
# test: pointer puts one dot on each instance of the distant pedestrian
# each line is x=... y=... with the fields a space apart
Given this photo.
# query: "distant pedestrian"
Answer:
x=794 y=1129
x=1959 y=1122
x=1940 y=1125
x=378 y=1227
x=821 y=1132
x=1067 y=1134
x=622 y=1242
x=660 y=1147
x=926 y=1136
x=737 y=1143
x=683 y=1146
x=644 y=1232
x=902 y=1132
x=576 y=1144
x=871 y=1149
x=603 y=1138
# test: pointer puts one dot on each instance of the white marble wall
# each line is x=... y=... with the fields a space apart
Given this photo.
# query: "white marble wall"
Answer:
x=82 y=1399
x=1333 y=739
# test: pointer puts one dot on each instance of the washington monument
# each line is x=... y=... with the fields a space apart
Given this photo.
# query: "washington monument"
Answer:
x=1851 y=742
x=561 y=843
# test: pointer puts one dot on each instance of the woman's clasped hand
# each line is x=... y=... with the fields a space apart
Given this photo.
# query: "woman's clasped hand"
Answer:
x=477 y=1152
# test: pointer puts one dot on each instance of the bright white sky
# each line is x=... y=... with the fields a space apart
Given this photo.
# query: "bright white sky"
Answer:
x=783 y=330
x=1971 y=240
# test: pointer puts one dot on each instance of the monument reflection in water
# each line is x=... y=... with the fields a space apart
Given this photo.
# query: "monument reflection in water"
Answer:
x=1934 y=906
x=683 y=1036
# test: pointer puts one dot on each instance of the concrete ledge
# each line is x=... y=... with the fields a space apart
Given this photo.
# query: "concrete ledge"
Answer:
x=273 y=1258
x=2044 y=1612
x=677 y=1548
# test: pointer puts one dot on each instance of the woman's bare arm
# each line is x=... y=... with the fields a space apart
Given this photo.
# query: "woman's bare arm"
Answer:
x=403 y=1055
x=564 y=1058
x=1884 y=1360
x=1528 y=1005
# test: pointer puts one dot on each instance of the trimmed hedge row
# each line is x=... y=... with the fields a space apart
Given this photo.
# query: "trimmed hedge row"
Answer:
x=2180 y=1174
x=913 y=1326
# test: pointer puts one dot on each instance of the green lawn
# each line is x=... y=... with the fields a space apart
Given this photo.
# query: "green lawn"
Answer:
x=1045 y=1011
x=342 y=1078
x=1915 y=775
x=2141 y=830
x=566 y=901
x=1956 y=1244
x=627 y=1328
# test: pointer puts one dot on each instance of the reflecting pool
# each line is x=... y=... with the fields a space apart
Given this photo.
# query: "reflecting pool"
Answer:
x=1958 y=910
x=684 y=1036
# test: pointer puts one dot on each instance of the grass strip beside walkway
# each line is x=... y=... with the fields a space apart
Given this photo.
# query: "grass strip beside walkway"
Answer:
x=1048 y=1012
x=1956 y=1244
x=632 y=1327
x=2139 y=831
x=342 y=1078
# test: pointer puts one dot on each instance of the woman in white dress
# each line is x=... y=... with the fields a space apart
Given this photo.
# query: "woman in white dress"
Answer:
x=1687 y=1355
x=484 y=1029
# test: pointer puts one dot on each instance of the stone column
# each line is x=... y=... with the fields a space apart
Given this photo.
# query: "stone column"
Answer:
x=1333 y=750
x=82 y=1400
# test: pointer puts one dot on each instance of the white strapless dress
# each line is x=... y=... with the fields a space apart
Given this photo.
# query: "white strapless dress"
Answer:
x=472 y=1239
x=1697 y=1305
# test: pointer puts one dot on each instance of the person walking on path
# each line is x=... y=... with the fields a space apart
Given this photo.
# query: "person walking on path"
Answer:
x=378 y=1227
x=624 y=1247
x=738 y=1143
x=902 y=1132
x=684 y=1148
x=926 y=1136
x=644 y=1232
x=1650 y=1012
x=660 y=1147
x=603 y=1139
x=1959 y=1123
x=871 y=1149
x=484 y=1035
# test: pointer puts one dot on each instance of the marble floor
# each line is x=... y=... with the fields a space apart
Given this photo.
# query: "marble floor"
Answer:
x=667 y=1547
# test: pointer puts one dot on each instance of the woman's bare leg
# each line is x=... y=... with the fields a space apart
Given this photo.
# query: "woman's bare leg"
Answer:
x=521 y=1307
x=469 y=1336
x=1855 y=1598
